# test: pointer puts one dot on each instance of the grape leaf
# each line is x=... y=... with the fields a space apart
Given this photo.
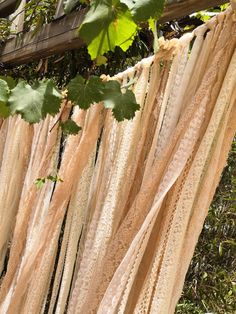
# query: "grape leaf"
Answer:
x=107 y=24
x=99 y=16
x=84 y=93
x=34 y=102
x=142 y=10
x=69 y=127
x=123 y=105
x=52 y=98
x=4 y=94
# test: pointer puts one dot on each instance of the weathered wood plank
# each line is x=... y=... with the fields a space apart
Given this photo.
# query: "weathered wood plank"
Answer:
x=60 y=35
x=56 y=37
x=176 y=9
x=7 y=7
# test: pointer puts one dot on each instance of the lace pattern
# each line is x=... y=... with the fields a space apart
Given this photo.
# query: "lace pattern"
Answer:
x=117 y=235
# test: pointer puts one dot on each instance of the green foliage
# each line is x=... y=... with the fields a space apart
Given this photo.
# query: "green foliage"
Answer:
x=4 y=93
x=37 y=13
x=4 y=29
x=33 y=102
x=205 y=15
x=9 y=80
x=69 y=127
x=187 y=307
x=106 y=25
x=123 y=104
x=142 y=10
x=83 y=93
x=36 y=101
x=112 y=23
x=121 y=101
x=39 y=182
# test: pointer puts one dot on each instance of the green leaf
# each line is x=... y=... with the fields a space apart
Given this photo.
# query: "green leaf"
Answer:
x=27 y=101
x=34 y=102
x=4 y=94
x=107 y=25
x=142 y=10
x=54 y=178
x=189 y=27
x=84 y=93
x=4 y=91
x=97 y=18
x=52 y=98
x=203 y=15
x=223 y=7
x=151 y=24
x=69 y=127
x=9 y=80
x=123 y=105
x=40 y=182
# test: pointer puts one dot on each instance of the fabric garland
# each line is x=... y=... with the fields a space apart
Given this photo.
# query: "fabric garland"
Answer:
x=117 y=233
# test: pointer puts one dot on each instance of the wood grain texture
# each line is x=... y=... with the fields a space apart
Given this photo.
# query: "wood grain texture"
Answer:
x=7 y=7
x=179 y=8
x=58 y=36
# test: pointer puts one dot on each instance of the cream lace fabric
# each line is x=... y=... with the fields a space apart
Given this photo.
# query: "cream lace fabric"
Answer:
x=117 y=235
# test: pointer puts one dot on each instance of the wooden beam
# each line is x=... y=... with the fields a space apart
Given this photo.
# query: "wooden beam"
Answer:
x=7 y=7
x=60 y=35
x=176 y=9
x=56 y=37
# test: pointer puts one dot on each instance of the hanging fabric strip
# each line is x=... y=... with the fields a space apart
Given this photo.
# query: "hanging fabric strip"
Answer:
x=117 y=232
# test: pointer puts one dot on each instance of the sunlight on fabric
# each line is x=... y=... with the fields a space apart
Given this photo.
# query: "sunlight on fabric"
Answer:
x=117 y=234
